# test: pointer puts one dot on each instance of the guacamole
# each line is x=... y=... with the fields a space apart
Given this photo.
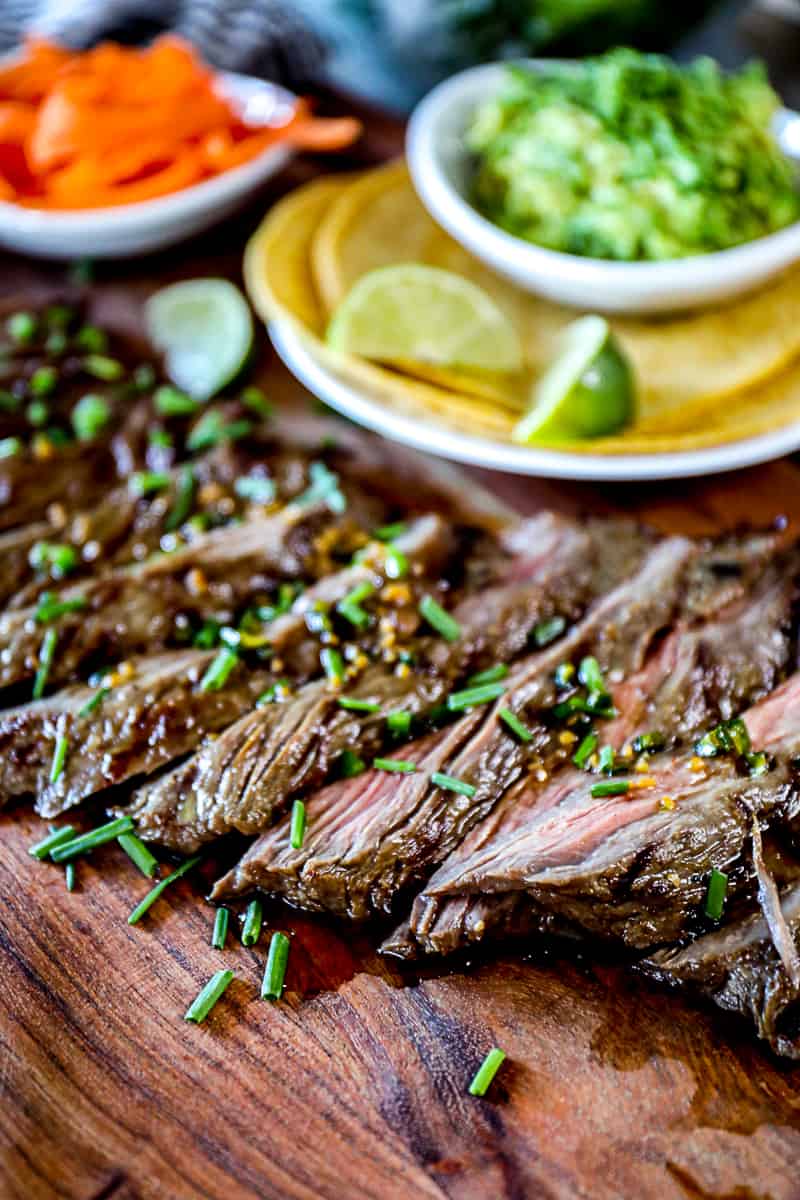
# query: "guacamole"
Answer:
x=632 y=157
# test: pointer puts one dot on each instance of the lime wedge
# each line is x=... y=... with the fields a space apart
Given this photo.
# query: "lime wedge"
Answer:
x=587 y=392
x=204 y=329
x=415 y=313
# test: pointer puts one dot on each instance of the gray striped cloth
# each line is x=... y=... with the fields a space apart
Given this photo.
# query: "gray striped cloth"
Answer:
x=260 y=37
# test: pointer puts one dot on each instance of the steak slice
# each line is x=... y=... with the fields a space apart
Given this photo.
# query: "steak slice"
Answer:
x=133 y=610
x=697 y=676
x=415 y=823
x=162 y=712
x=739 y=968
x=625 y=866
x=239 y=783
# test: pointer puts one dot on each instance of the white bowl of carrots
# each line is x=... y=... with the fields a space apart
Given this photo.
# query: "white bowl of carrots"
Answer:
x=117 y=151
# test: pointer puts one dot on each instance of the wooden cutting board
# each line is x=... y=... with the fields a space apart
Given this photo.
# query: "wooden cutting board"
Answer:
x=354 y=1087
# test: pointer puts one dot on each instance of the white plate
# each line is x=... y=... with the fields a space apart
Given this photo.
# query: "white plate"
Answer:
x=357 y=404
x=439 y=163
x=128 y=229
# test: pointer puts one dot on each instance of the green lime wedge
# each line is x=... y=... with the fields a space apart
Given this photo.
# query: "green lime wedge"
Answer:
x=204 y=329
x=587 y=392
x=414 y=313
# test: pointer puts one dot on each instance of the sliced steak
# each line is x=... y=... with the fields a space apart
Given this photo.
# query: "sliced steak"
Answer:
x=416 y=824
x=236 y=784
x=739 y=968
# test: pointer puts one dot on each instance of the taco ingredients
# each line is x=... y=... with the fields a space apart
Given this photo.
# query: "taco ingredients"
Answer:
x=205 y=331
x=412 y=312
x=116 y=124
x=587 y=392
x=631 y=156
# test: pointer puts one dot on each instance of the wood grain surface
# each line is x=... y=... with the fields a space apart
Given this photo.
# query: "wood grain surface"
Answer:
x=354 y=1087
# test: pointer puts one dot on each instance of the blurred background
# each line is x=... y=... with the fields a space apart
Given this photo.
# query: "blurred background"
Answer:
x=391 y=51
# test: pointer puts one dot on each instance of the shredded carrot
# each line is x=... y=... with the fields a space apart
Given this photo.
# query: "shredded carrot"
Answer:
x=116 y=125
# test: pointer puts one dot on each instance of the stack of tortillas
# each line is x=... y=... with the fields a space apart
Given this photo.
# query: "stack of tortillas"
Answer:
x=704 y=378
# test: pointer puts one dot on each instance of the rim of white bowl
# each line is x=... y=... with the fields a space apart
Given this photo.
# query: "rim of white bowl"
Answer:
x=466 y=224
x=147 y=213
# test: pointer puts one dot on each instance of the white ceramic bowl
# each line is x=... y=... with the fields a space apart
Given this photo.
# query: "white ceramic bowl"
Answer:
x=440 y=167
x=152 y=224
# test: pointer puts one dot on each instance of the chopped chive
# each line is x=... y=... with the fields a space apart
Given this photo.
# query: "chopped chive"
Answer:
x=21 y=326
x=69 y=876
x=160 y=438
x=154 y=893
x=211 y=429
x=258 y=488
x=387 y=533
x=486 y=1072
x=350 y=764
x=58 y=316
x=451 y=784
x=103 y=367
x=517 y=727
x=50 y=609
x=332 y=664
x=400 y=766
x=365 y=706
x=220 y=934
x=323 y=489
x=758 y=763
x=275 y=971
x=184 y=496
x=59 y=757
x=95 y=702
x=91 y=339
x=207 y=634
x=217 y=673
x=729 y=737
x=169 y=401
x=56 y=557
x=590 y=674
x=612 y=787
x=395 y=563
x=56 y=343
x=439 y=620
x=253 y=398
x=56 y=837
x=715 y=897
x=648 y=743
x=37 y=413
x=398 y=723
x=597 y=705
x=606 y=760
x=490 y=675
x=46 y=652
x=547 y=631
x=350 y=605
x=207 y=997
x=10 y=447
x=458 y=701
x=144 y=377
x=298 y=828
x=90 y=416
x=145 y=483
x=251 y=927
x=138 y=853
x=9 y=402
x=89 y=841
x=563 y=674
x=43 y=381
x=585 y=750
x=274 y=693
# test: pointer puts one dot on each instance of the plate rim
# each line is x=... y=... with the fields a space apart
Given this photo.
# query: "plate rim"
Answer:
x=351 y=401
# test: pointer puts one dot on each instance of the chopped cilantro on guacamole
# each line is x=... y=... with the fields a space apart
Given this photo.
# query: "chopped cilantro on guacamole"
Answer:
x=630 y=156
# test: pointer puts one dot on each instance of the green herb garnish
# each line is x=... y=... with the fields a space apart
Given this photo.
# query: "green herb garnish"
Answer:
x=355 y=705
x=275 y=972
x=398 y=723
x=485 y=692
x=144 y=905
x=486 y=1072
x=547 y=631
x=490 y=675
x=90 y=416
x=399 y=766
x=606 y=760
x=254 y=399
x=585 y=750
x=388 y=533
x=220 y=932
x=251 y=927
x=21 y=327
x=395 y=563
x=259 y=489
x=649 y=743
x=332 y=664
x=10 y=447
x=211 y=430
x=323 y=489
x=516 y=726
x=298 y=825
x=56 y=557
x=612 y=787
x=91 y=339
x=184 y=498
x=146 y=483
x=451 y=784
x=715 y=897
x=169 y=401
x=139 y=854
x=91 y=840
x=217 y=673
x=350 y=764
x=50 y=608
x=46 y=652
x=205 y=1000
x=56 y=837
x=103 y=367
x=439 y=620
x=59 y=757
x=43 y=381
x=95 y=702
x=69 y=876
